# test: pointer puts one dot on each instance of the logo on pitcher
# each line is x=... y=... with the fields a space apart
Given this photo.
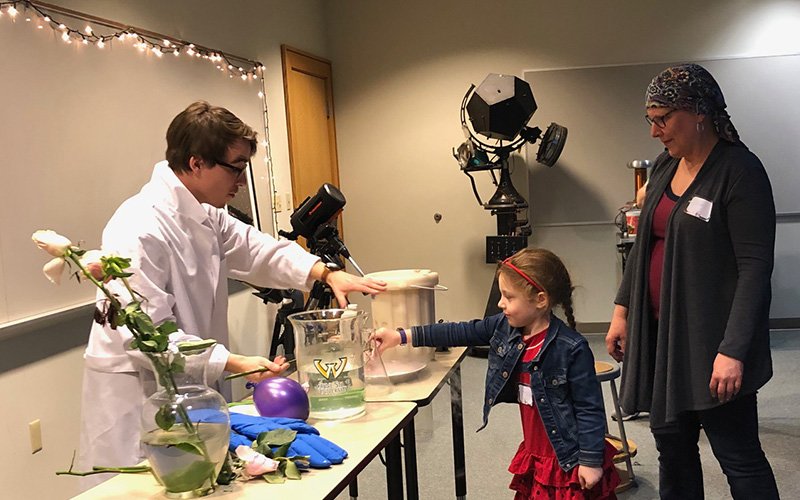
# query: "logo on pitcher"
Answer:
x=331 y=371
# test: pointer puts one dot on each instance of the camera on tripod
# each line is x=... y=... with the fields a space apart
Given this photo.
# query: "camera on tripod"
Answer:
x=314 y=220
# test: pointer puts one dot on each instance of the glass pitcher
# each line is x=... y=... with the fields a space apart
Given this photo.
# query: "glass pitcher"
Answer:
x=330 y=362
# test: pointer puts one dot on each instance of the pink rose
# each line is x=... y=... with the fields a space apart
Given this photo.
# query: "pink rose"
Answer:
x=91 y=261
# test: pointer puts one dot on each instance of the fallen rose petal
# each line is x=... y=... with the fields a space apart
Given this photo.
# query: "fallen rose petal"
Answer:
x=54 y=269
x=255 y=464
x=51 y=242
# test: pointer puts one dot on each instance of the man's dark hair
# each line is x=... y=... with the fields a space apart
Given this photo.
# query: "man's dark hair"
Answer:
x=206 y=131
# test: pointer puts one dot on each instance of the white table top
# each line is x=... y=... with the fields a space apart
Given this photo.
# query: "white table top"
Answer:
x=427 y=383
x=362 y=436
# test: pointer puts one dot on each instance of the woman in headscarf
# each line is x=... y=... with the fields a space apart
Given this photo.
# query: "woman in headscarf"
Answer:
x=691 y=318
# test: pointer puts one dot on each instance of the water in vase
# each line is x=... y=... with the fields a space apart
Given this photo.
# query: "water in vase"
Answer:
x=185 y=475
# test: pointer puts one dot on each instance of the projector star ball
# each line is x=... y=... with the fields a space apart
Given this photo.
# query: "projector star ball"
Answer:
x=281 y=397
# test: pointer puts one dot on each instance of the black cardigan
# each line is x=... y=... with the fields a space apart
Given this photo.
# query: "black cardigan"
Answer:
x=715 y=290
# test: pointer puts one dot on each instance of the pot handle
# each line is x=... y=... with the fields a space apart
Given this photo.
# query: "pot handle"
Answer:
x=438 y=288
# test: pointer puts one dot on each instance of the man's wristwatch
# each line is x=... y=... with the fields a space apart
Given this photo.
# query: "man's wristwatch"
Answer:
x=324 y=276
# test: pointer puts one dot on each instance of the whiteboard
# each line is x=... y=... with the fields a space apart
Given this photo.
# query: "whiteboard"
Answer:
x=603 y=108
x=80 y=130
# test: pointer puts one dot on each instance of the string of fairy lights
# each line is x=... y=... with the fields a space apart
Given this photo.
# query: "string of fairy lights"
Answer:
x=103 y=33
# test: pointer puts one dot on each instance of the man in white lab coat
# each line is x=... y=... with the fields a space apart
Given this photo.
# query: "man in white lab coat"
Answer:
x=184 y=246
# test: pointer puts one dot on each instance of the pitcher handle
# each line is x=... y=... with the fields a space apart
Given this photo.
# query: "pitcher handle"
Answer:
x=438 y=288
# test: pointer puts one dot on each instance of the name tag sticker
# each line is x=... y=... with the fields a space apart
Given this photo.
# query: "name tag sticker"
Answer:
x=525 y=396
x=700 y=208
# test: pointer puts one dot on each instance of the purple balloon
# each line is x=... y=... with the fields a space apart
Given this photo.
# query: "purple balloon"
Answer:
x=281 y=397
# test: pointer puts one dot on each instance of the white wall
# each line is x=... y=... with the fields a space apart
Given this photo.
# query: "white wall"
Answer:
x=46 y=385
x=401 y=70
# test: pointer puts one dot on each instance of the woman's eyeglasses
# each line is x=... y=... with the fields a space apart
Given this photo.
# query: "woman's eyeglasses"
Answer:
x=659 y=121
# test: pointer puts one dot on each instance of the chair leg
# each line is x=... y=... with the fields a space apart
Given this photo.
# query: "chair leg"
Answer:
x=623 y=437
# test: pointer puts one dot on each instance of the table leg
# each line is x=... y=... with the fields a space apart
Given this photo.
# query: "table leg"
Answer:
x=353 y=487
x=456 y=410
x=394 y=469
x=410 y=454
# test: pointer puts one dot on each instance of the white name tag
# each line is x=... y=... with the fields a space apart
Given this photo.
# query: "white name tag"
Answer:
x=700 y=208
x=525 y=396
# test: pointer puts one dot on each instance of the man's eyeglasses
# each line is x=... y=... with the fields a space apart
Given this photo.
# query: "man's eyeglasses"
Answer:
x=237 y=171
x=659 y=121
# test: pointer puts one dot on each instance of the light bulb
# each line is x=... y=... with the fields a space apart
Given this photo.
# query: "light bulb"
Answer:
x=65 y=36
x=12 y=11
x=88 y=30
x=100 y=44
x=62 y=27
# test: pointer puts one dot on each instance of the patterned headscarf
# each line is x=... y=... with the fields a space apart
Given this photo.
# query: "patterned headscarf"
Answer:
x=691 y=87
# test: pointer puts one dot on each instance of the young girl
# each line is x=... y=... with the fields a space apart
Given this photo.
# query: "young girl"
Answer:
x=545 y=366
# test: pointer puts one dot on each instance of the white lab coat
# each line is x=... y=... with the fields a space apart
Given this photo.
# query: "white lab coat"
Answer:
x=182 y=254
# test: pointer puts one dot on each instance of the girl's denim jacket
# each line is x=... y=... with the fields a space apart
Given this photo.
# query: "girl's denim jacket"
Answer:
x=563 y=380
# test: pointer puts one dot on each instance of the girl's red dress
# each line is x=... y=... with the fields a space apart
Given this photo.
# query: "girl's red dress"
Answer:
x=537 y=474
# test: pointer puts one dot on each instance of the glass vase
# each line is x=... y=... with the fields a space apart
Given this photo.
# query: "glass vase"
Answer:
x=185 y=424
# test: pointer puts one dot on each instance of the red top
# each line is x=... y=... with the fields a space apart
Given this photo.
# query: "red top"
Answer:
x=537 y=473
x=658 y=233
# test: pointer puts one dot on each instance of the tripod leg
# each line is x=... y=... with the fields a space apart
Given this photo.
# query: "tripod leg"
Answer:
x=276 y=336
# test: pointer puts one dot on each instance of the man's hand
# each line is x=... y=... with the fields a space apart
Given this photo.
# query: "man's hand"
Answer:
x=342 y=283
x=617 y=333
x=726 y=378
x=589 y=476
x=267 y=369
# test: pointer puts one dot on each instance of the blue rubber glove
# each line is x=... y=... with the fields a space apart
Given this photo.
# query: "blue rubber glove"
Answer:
x=251 y=426
x=237 y=439
x=321 y=452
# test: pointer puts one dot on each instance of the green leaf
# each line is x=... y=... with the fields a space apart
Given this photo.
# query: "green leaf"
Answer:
x=189 y=448
x=274 y=477
x=292 y=472
x=165 y=417
x=278 y=437
x=190 y=477
x=167 y=327
x=132 y=307
x=143 y=322
x=178 y=364
x=263 y=448
x=281 y=450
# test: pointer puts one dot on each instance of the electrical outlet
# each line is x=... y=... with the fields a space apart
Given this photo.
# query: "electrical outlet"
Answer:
x=278 y=204
x=35 y=431
x=288 y=200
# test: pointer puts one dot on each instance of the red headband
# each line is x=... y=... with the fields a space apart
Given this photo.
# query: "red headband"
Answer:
x=519 y=271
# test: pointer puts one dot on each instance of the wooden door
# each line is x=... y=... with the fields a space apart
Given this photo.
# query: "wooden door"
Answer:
x=308 y=91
